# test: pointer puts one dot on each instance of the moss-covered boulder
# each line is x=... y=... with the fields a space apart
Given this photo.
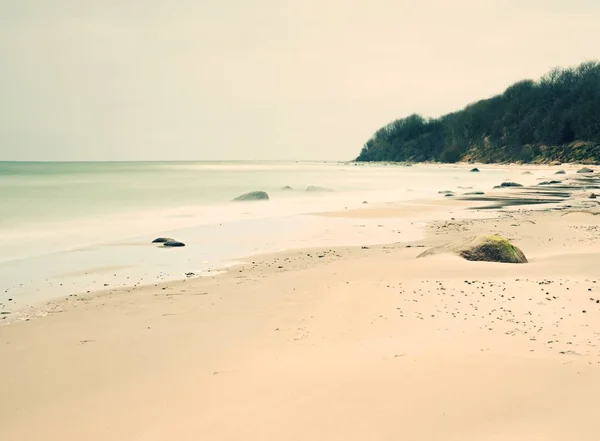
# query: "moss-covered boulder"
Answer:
x=561 y=172
x=491 y=248
x=510 y=184
x=253 y=196
x=474 y=170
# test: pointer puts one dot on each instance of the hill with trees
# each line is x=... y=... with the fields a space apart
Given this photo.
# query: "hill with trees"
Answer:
x=556 y=118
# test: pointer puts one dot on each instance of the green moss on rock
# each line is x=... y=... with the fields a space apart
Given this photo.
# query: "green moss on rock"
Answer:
x=491 y=248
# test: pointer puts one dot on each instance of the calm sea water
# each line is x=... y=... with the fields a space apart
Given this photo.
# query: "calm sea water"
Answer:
x=68 y=227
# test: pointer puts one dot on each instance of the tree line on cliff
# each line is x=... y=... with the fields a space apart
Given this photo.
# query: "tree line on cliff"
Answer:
x=556 y=118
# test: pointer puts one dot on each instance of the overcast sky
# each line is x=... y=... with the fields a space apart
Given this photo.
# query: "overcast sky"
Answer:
x=261 y=79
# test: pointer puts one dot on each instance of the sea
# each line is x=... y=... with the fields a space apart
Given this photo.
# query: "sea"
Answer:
x=70 y=228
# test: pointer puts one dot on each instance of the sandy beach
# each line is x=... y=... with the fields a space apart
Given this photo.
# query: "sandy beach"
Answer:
x=342 y=343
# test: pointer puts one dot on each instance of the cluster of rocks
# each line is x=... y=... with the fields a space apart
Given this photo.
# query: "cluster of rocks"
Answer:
x=264 y=196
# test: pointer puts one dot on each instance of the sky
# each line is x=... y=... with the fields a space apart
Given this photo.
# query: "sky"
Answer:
x=261 y=79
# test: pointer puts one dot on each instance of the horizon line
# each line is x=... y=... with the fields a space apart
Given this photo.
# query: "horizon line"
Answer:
x=61 y=161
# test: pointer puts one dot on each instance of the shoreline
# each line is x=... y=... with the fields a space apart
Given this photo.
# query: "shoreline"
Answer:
x=34 y=256
x=40 y=308
x=481 y=165
x=424 y=212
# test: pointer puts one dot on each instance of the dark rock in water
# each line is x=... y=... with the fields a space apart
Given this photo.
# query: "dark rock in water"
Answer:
x=510 y=184
x=526 y=173
x=555 y=163
x=473 y=193
x=161 y=240
x=449 y=195
x=561 y=172
x=287 y=188
x=593 y=196
x=550 y=182
x=364 y=202
x=316 y=189
x=482 y=248
x=253 y=196
x=446 y=193
x=585 y=170
x=474 y=170
x=173 y=243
